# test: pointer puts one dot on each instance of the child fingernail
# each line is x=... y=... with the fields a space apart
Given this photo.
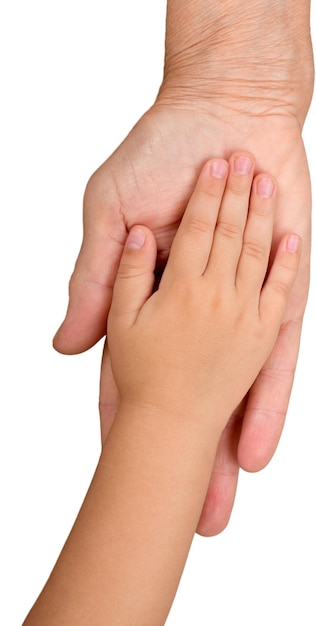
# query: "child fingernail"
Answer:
x=242 y=164
x=135 y=239
x=265 y=187
x=219 y=169
x=293 y=243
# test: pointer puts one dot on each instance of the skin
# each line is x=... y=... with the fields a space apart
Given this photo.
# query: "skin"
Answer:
x=175 y=397
x=247 y=82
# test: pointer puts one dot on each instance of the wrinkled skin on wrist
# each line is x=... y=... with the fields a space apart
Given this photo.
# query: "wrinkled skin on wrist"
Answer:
x=257 y=55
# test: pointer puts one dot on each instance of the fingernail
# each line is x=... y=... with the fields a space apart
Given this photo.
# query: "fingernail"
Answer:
x=242 y=164
x=219 y=169
x=135 y=239
x=293 y=243
x=265 y=187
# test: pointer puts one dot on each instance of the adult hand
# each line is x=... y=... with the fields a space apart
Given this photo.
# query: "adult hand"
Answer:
x=148 y=180
x=237 y=75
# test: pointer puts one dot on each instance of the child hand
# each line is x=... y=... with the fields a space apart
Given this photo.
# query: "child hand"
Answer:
x=195 y=346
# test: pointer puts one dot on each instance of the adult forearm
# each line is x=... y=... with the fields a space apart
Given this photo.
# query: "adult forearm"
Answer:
x=233 y=49
x=125 y=555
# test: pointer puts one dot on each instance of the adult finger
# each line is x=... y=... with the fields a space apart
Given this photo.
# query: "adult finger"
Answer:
x=109 y=395
x=192 y=243
x=90 y=286
x=268 y=401
x=221 y=493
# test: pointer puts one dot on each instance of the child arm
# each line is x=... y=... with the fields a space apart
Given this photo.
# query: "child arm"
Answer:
x=125 y=555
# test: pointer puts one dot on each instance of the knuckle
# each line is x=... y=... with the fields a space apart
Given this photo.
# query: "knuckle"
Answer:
x=207 y=193
x=254 y=249
x=262 y=209
x=239 y=187
x=281 y=288
x=229 y=230
x=198 y=226
x=285 y=278
x=128 y=269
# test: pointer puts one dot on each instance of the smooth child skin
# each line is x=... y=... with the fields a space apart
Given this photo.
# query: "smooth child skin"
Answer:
x=220 y=309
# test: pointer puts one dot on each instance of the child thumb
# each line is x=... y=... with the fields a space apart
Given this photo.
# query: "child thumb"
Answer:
x=135 y=277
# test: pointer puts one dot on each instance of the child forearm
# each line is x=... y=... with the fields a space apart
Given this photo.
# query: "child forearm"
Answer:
x=124 y=557
x=123 y=560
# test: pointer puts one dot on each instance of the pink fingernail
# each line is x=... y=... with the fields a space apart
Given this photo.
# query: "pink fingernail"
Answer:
x=135 y=239
x=242 y=164
x=265 y=187
x=219 y=169
x=293 y=243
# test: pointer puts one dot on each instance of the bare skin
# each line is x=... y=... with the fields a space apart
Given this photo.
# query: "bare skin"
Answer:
x=227 y=89
x=125 y=555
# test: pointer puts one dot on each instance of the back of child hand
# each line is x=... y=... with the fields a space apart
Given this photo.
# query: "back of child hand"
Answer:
x=194 y=347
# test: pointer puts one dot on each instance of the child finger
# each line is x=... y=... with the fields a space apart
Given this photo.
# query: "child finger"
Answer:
x=276 y=291
x=135 y=277
x=257 y=240
x=228 y=236
x=192 y=243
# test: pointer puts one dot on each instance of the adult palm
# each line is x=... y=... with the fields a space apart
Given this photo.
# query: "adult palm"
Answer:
x=147 y=181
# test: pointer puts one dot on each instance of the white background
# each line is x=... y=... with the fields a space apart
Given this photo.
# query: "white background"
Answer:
x=75 y=77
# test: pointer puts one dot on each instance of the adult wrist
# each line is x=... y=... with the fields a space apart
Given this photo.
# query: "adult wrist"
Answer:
x=256 y=57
